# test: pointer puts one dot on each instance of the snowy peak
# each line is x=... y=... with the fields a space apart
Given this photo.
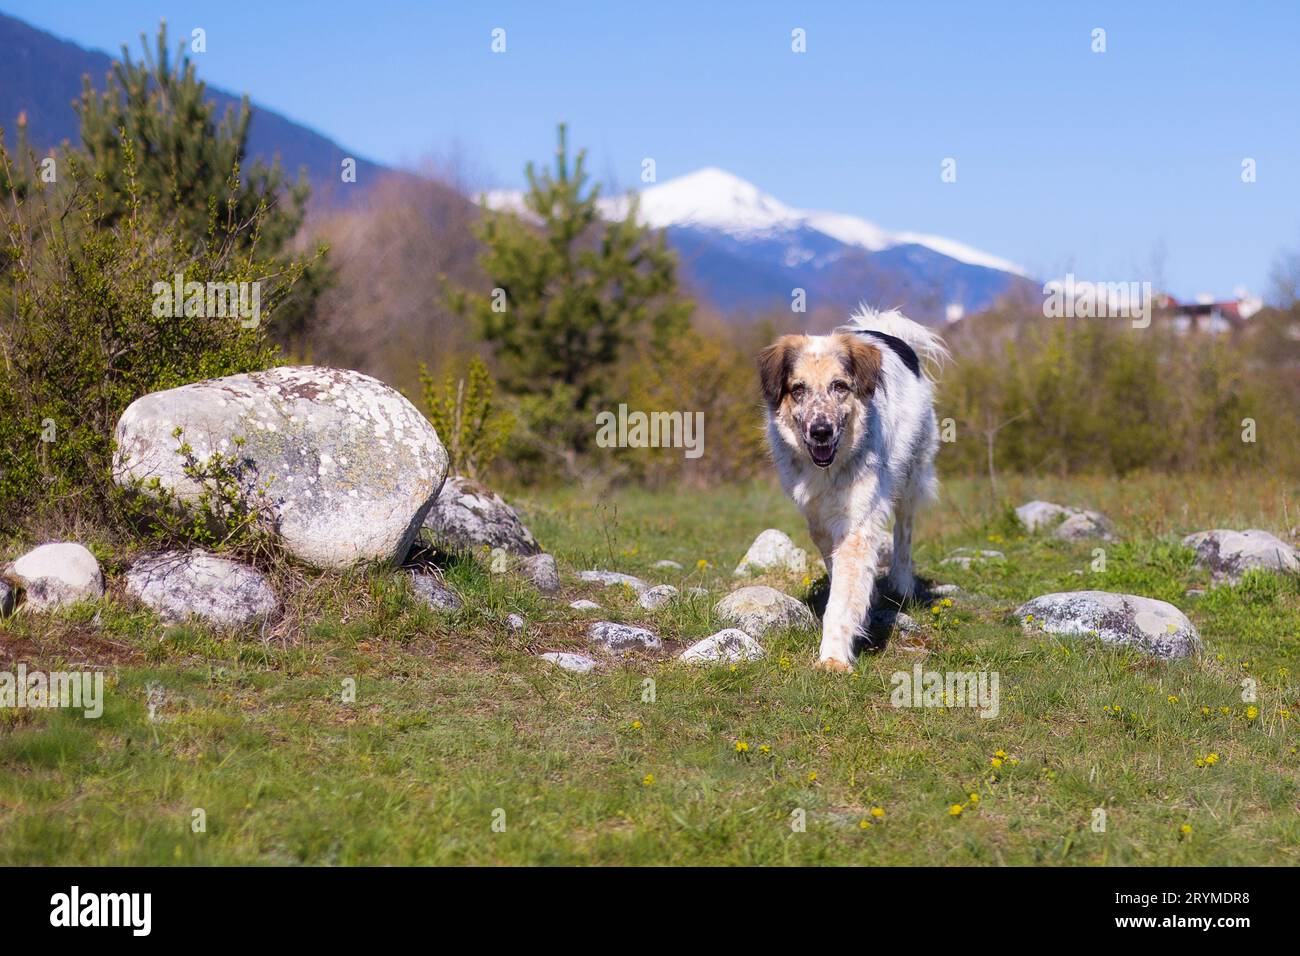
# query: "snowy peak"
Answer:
x=744 y=250
x=715 y=200
x=712 y=198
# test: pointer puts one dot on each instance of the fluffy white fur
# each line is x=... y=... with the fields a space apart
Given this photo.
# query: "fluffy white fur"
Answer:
x=886 y=471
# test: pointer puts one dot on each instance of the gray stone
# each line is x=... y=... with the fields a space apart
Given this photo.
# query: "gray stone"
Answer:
x=1153 y=627
x=965 y=557
x=1042 y=515
x=757 y=609
x=582 y=604
x=184 y=584
x=728 y=645
x=57 y=574
x=469 y=515
x=612 y=579
x=541 y=572
x=1230 y=554
x=1065 y=522
x=342 y=466
x=1084 y=525
x=666 y=565
x=578 y=663
x=435 y=593
x=656 y=597
x=7 y=599
x=620 y=638
x=773 y=550
x=945 y=590
x=515 y=623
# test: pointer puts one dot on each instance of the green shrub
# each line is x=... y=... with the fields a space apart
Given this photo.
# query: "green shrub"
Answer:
x=83 y=330
x=472 y=429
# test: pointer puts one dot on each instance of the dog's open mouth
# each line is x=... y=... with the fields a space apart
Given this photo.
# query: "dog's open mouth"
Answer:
x=822 y=454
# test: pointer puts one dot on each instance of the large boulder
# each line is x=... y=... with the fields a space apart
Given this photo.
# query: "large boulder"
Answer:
x=468 y=515
x=57 y=574
x=758 y=609
x=1153 y=627
x=183 y=584
x=344 y=467
x=1230 y=554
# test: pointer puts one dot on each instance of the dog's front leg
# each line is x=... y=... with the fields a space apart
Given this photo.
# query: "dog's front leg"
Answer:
x=852 y=579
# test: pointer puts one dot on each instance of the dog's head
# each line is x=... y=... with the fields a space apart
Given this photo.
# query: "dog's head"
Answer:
x=818 y=389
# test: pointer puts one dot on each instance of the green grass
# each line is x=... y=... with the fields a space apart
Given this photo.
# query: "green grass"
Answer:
x=457 y=725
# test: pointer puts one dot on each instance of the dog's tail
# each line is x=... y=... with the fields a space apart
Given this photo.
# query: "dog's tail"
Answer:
x=924 y=341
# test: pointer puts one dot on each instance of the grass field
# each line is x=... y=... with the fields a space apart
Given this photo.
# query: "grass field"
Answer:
x=463 y=747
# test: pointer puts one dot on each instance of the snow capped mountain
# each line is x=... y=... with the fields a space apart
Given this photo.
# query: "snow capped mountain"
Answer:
x=745 y=248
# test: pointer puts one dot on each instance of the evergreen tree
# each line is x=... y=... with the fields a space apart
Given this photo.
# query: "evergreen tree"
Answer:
x=572 y=296
x=188 y=162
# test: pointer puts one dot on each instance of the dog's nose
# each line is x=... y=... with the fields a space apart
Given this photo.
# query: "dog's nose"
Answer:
x=820 y=431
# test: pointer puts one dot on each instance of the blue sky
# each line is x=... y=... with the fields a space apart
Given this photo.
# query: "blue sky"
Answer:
x=1106 y=164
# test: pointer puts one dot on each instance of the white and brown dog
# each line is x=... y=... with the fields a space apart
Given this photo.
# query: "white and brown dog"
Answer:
x=852 y=429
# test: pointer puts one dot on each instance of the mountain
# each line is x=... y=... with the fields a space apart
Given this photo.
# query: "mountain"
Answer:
x=745 y=250
x=40 y=76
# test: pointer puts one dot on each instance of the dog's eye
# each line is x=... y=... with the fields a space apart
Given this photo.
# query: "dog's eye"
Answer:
x=839 y=387
x=797 y=391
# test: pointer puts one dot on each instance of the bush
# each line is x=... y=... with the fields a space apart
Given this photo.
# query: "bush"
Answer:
x=461 y=411
x=83 y=330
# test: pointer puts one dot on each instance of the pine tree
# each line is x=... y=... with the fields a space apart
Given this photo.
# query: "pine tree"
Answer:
x=572 y=296
x=188 y=162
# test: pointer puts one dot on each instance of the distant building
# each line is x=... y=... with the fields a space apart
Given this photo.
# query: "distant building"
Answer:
x=1208 y=315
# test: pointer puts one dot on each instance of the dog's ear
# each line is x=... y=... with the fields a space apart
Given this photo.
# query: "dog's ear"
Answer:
x=863 y=362
x=774 y=365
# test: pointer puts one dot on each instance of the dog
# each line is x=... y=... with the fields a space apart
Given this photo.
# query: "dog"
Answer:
x=852 y=430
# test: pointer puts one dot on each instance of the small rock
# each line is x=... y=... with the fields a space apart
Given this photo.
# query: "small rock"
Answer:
x=578 y=663
x=1083 y=525
x=730 y=644
x=619 y=638
x=697 y=592
x=773 y=550
x=184 y=584
x=945 y=590
x=1070 y=524
x=1153 y=627
x=436 y=594
x=6 y=599
x=613 y=579
x=758 y=609
x=1230 y=554
x=582 y=604
x=1041 y=515
x=656 y=597
x=667 y=565
x=541 y=571
x=965 y=557
x=468 y=515
x=515 y=623
x=57 y=574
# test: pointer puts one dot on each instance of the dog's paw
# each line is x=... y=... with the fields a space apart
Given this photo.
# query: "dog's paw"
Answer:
x=834 y=666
